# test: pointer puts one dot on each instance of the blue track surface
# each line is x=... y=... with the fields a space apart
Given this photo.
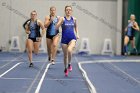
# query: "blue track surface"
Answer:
x=23 y=79
x=107 y=77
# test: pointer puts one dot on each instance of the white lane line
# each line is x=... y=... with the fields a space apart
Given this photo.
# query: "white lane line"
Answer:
x=17 y=78
x=23 y=61
x=92 y=88
x=125 y=73
x=43 y=62
x=36 y=77
x=10 y=69
x=67 y=79
x=42 y=78
x=7 y=60
x=10 y=61
x=85 y=76
x=105 y=61
x=90 y=85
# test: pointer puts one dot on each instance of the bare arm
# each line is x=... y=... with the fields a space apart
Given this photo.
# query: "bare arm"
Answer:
x=76 y=28
x=61 y=19
x=136 y=27
x=42 y=27
x=47 y=21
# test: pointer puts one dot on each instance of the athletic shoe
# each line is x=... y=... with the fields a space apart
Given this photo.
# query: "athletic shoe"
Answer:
x=125 y=54
x=66 y=72
x=31 y=65
x=53 y=63
x=70 y=67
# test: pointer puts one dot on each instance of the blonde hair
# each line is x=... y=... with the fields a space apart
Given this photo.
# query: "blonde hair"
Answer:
x=34 y=11
x=133 y=16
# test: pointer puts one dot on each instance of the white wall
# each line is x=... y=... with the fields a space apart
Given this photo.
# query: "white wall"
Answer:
x=85 y=11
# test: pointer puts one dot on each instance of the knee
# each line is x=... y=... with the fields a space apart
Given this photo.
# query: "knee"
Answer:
x=54 y=45
x=65 y=56
x=125 y=42
x=69 y=50
x=29 y=51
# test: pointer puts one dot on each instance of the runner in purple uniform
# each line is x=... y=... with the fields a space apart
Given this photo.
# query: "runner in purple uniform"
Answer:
x=69 y=37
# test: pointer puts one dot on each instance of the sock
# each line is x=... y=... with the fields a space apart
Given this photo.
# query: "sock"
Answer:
x=125 y=49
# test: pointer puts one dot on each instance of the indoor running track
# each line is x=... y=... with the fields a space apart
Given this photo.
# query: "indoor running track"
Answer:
x=91 y=74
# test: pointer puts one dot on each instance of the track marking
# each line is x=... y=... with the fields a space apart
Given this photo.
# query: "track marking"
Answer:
x=42 y=78
x=36 y=77
x=26 y=61
x=90 y=85
x=125 y=73
x=10 y=69
x=67 y=79
x=105 y=61
x=7 y=60
x=17 y=78
x=58 y=62
x=10 y=61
